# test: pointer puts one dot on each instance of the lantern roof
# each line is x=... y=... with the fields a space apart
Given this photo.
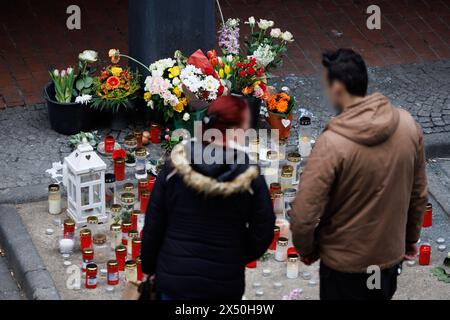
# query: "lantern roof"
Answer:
x=84 y=159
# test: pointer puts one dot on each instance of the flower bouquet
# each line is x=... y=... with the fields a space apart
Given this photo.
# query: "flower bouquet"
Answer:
x=280 y=115
x=267 y=47
x=163 y=89
x=114 y=88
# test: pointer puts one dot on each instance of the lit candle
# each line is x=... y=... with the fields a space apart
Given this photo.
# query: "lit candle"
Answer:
x=54 y=199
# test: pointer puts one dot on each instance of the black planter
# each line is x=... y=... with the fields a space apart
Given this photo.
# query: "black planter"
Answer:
x=66 y=118
x=254 y=105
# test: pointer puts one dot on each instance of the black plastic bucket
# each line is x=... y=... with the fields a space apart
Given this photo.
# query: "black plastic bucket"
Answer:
x=66 y=118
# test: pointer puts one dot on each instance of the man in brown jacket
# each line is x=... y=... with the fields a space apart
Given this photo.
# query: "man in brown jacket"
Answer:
x=363 y=191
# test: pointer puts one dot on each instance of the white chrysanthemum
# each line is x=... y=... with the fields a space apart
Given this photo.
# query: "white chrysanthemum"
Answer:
x=83 y=99
x=264 y=55
x=186 y=116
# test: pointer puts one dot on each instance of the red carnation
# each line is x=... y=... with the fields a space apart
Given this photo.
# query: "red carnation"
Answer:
x=251 y=71
x=242 y=73
x=252 y=62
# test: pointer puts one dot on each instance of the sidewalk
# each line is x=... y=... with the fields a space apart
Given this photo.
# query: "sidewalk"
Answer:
x=31 y=147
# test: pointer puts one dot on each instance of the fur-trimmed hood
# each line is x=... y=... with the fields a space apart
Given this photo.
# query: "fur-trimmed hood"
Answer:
x=213 y=179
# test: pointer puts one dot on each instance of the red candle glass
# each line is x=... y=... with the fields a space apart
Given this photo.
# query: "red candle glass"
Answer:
x=121 y=257
x=119 y=169
x=155 y=133
x=140 y=275
x=276 y=235
x=145 y=197
x=151 y=183
x=134 y=219
x=251 y=265
x=69 y=229
x=424 y=254
x=135 y=248
x=87 y=257
x=109 y=144
x=85 y=239
x=428 y=216
x=142 y=185
x=126 y=228
x=113 y=273
x=91 y=276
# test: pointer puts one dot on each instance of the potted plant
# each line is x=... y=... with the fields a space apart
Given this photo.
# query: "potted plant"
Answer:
x=67 y=106
x=114 y=91
x=280 y=115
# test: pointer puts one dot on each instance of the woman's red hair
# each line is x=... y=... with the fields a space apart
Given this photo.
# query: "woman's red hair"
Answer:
x=228 y=112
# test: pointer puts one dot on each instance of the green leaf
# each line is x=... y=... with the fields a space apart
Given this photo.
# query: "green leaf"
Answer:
x=79 y=84
x=88 y=82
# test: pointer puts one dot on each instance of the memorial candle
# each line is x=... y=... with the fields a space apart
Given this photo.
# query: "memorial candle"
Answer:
x=424 y=254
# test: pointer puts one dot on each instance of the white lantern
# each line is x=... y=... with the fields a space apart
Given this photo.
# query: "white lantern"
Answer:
x=84 y=179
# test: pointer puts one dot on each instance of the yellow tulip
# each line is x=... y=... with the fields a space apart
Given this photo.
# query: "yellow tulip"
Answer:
x=227 y=69
x=179 y=107
x=221 y=74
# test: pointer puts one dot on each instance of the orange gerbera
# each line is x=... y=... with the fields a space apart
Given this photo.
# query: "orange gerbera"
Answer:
x=113 y=82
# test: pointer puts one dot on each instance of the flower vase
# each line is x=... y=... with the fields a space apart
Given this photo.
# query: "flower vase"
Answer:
x=282 y=123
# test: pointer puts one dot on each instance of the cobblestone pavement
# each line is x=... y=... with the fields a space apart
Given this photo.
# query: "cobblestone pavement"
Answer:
x=9 y=289
x=28 y=145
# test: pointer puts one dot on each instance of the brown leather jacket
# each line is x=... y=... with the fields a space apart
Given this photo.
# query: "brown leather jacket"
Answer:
x=364 y=189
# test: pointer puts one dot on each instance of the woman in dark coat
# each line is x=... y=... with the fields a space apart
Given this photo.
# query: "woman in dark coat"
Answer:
x=205 y=222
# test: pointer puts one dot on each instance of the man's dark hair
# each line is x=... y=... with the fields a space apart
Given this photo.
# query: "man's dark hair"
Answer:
x=348 y=67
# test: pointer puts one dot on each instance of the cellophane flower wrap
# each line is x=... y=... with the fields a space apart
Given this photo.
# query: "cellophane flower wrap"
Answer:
x=163 y=88
x=200 y=81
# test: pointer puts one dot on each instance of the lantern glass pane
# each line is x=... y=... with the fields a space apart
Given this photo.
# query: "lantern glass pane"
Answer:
x=90 y=177
x=84 y=196
x=97 y=189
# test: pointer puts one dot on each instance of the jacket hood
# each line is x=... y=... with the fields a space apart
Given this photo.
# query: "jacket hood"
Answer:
x=213 y=179
x=369 y=122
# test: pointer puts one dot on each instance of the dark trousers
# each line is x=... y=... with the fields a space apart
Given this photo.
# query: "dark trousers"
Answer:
x=336 y=285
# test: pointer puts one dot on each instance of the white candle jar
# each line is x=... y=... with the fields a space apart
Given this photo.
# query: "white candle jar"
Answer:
x=116 y=235
x=292 y=266
x=286 y=180
x=281 y=251
x=278 y=203
x=294 y=160
x=141 y=160
x=54 y=199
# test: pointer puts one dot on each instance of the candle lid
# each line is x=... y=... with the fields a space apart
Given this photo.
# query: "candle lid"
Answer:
x=53 y=187
x=143 y=182
x=85 y=232
x=283 y=241
x=305 y=121
x=116 y=208
x=130 y=140
x=128 y=186
x=294 y=157
x=110 y=178
x=99 y=238
x=91 y=267
x=69 y=222
x=293 y=258
x=126 y=224
x=115 y=227
x=429 y=206
x=136 y=241
x=112 y=263
x=275 y=186
x=141 y=152
x=286 y=174
x=130 y=264
x=287 y=168
x=145 y=194
x=277 y=194
x=121 y=248
x=92 y=220
x=128 y=198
